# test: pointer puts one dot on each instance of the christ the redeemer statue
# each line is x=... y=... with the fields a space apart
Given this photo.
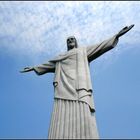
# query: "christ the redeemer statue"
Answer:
x=73 y=113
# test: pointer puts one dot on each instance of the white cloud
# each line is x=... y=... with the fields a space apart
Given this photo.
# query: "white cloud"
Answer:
x=36 y=28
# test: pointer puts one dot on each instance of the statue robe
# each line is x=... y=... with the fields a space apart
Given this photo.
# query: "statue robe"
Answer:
x=73 y=112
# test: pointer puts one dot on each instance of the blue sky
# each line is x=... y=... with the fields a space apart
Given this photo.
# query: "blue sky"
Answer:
x=33 y=32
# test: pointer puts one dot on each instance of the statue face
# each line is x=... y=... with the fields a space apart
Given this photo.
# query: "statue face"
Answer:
x=71 y=43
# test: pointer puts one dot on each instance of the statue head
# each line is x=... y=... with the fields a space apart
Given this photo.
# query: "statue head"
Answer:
x=71 y=43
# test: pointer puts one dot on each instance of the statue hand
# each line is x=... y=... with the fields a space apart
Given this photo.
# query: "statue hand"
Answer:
x=27 y=69
x=125 y=30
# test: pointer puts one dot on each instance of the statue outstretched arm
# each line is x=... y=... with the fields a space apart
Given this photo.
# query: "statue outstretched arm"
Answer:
x=41 y=69
x=97 y=50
